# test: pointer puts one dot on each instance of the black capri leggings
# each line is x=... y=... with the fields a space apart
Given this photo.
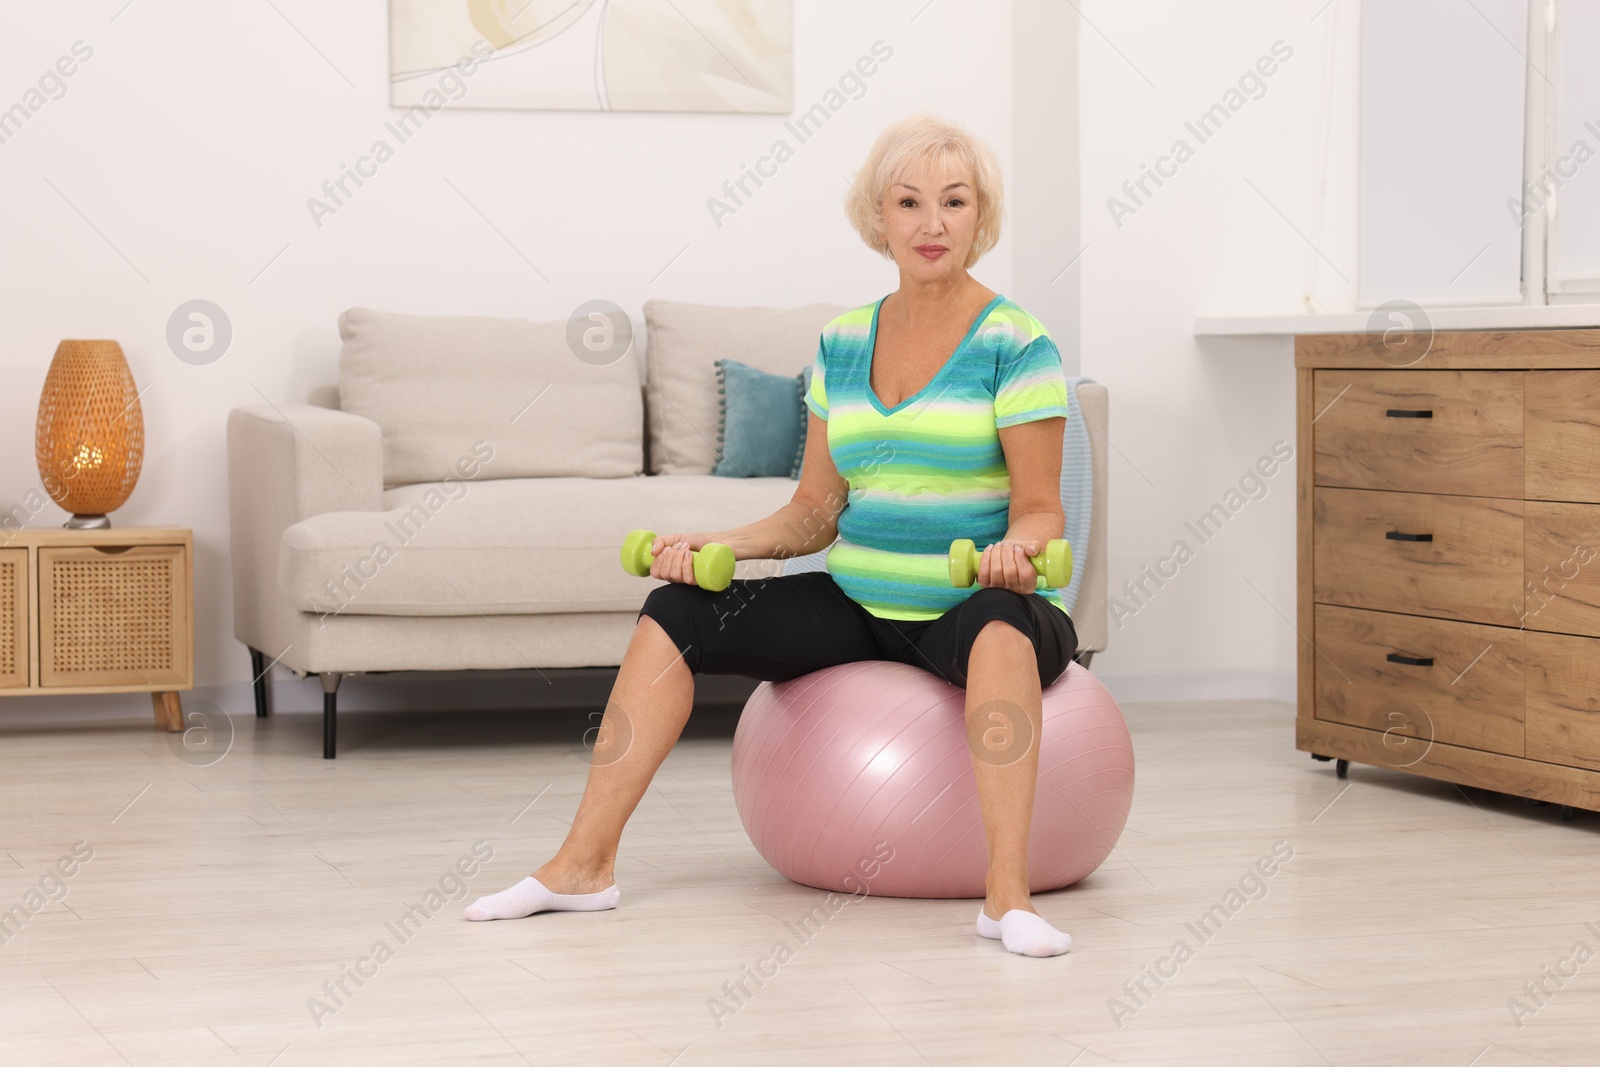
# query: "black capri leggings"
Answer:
x=775 y=629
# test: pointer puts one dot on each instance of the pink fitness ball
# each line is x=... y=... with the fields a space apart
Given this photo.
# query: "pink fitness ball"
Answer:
x=831 y=767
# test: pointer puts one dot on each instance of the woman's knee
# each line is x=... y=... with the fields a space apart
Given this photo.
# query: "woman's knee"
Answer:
x=1003 y=634
x=667 y=621
x=999 y=623
x=650 y=633
x=656 y=652
x=1000 y=613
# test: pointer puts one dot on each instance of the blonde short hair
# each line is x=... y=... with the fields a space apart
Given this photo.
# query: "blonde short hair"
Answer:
x=907 y=144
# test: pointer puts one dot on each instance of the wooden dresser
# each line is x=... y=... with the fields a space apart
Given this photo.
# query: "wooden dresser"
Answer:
x=1449 y=557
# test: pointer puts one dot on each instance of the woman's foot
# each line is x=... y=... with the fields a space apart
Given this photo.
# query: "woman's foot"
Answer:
x=553 y=887
x=1009 y=918
x=1024 y=932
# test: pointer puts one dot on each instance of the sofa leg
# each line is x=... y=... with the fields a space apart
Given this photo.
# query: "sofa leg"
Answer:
x=258 y=671
x=330 y=712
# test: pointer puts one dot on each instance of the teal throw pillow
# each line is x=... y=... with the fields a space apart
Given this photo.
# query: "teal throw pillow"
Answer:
x=763 y=432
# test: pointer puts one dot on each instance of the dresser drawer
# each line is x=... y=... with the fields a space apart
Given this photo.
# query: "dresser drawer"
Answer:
x=115 y=616
x=1561 y=567
x=1563 y=700
x=1454 y=557
x=1424 y=679
x=1563 y=435
x=1457 y=432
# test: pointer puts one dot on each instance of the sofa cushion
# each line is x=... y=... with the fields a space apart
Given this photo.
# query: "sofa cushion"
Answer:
x=442 y=388
x=762 y=422
x=685 y=342
x=525 y=546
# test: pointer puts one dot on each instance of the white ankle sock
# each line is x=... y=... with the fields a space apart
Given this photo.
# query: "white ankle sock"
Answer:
x=1024 y=933
x=529 y=896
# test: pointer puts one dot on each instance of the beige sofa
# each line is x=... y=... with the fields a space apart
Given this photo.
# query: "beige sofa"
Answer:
x=457 y=501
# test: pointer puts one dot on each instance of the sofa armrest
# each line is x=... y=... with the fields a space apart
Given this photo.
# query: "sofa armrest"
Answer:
x=286 y=464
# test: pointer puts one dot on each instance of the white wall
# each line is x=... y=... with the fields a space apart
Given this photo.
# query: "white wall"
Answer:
x=1228 y=233
x=193 y=136
x=1043 y=188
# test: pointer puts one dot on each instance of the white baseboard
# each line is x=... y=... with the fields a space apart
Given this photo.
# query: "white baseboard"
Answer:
x=1136 y=687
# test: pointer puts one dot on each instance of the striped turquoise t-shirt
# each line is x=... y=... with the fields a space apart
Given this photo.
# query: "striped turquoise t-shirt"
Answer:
x=930 y=469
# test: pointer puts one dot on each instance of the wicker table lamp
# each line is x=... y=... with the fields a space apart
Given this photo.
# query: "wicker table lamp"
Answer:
x=90 y=438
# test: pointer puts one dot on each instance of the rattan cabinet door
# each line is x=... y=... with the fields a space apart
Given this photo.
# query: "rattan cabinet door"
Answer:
x=13 y=618
x=114 y=617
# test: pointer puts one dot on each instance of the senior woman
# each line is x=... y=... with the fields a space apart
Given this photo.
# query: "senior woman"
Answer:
x=936 y=413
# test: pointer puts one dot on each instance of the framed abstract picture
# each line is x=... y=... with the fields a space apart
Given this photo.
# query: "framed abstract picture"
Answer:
x=593 y=55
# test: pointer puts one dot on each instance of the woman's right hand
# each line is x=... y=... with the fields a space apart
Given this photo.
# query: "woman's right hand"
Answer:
x=673 y=561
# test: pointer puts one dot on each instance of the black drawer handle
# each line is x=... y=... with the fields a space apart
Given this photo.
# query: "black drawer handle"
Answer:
x=1405 y=413
x=1412 y=661
x=1396 y=535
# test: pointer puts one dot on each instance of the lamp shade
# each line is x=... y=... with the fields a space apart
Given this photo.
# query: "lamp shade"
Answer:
x=89 y=443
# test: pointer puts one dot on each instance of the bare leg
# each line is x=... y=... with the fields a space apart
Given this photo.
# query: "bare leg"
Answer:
x=649 y=705
x=1004 y=720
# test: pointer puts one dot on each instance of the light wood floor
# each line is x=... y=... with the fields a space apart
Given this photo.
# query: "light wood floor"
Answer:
x=220 y=898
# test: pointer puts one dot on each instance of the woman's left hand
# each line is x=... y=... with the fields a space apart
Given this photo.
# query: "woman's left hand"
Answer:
x=1006 y=565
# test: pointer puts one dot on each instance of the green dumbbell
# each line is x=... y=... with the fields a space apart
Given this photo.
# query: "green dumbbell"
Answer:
x=713 y=564
x=1054 y=563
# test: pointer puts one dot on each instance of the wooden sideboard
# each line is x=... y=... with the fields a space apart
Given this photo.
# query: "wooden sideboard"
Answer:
x=99 y=611
x=1449 y=557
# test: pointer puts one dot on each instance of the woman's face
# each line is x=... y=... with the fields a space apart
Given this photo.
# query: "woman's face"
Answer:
x=930 y=216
